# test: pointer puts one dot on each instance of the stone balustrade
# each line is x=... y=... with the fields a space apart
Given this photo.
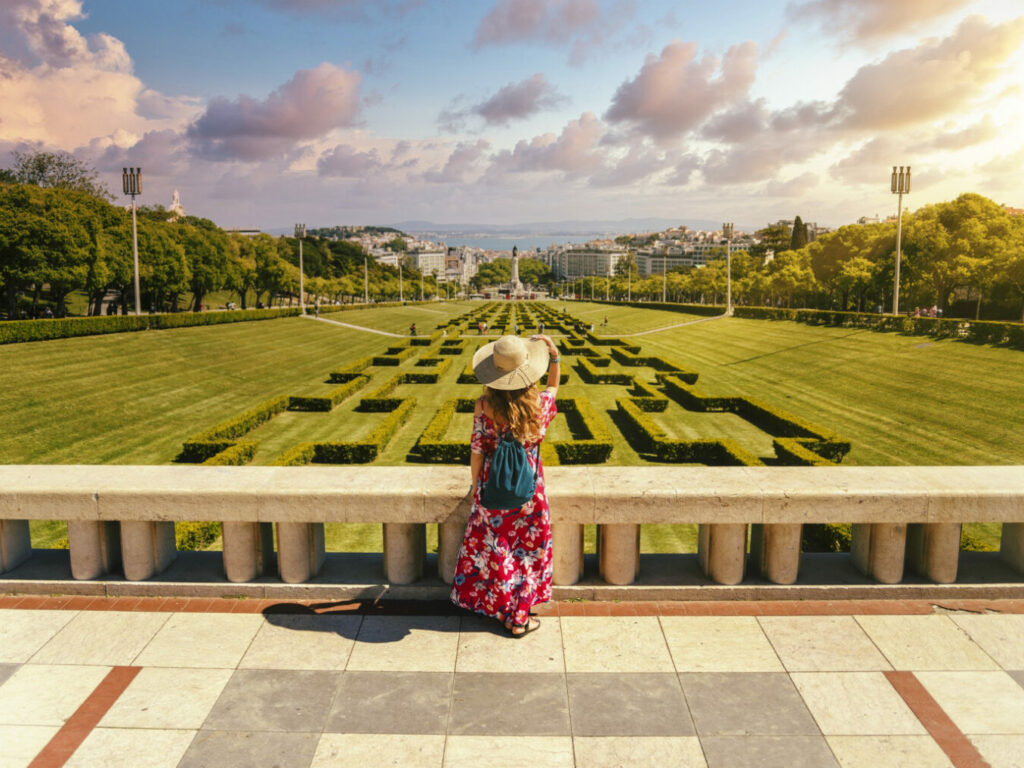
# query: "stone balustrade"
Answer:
x=123 y=516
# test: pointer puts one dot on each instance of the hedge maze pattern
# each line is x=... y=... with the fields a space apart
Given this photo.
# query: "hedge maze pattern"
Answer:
x=795 y=441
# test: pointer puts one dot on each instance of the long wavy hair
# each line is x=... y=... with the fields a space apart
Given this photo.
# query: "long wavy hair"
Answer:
x=519 y=409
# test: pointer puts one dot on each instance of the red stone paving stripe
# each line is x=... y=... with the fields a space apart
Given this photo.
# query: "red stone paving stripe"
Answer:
x=70 y=737
x=958 y=748
x=557 y=608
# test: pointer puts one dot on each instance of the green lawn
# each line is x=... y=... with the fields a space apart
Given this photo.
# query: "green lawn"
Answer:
x=133 y=398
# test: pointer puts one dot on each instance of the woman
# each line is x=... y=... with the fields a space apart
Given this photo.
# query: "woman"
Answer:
x=504 y=565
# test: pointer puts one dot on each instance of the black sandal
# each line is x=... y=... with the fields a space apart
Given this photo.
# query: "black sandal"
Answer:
x=527 y=629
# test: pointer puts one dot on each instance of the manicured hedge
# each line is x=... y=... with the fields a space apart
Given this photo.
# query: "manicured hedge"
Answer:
x=432 y=446
x=396 y=354
x=647 y=398
x=208 y=443
x=357 y=452
x=16 y=331
x=793 y=453
x=624 y=356
x=978 y=331
x=591 y=375
x=591 y=441
x=775 y=422
x=352 y=370
x=652 y=438
x=707 y=310
x=235 y=455
x=331 y=399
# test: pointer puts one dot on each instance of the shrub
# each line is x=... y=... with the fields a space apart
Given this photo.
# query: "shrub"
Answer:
x=352 y=370
x=17 y=331
x=432 y=445
x=208 y=443
x=331 y=399
x=652 y=438
x=191 y=535
x=793 y=453
x=591 y=375
x=591 y=441
x=357 y=452
x=626 y=357
x=826 y=537
x=233 y=456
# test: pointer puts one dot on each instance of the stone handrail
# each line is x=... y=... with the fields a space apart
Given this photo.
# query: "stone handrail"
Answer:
x=124 y=515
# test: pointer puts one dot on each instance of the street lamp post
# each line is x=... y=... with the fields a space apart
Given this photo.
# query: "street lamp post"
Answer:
x=366 y=281
x=900 y=185
x=664 y=277
x=629 y=278
x=300 y=232
x=401 y=290
x=131 y=181
x=727 y=230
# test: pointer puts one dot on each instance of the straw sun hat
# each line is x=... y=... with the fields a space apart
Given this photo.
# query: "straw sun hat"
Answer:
x=511 y=362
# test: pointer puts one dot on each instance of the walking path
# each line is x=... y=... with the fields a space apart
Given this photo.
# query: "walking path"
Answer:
x=357 y=327
x=670 y=327
x=198 y=682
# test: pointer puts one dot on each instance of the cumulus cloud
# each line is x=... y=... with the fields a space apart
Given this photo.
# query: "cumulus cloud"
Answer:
x=68 y=90
x=462 y=161
x=345 y=161
x=979 y=133
x=675 y=92
x=583 y=25
x=639 y=163
x=339 y=10
x=515 y=101
x=519 y=100
x=574 y=151
x=937 y=78
x=795 y=187
x=740 y=123
x=864 y=21
x=309 y=105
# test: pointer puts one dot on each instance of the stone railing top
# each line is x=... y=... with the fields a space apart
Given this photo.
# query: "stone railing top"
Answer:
x=662 y=494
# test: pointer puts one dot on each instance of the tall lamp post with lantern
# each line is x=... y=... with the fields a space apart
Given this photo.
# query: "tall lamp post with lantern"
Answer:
x=900 y=185
x=300 y=232
x=131 y=181
x=727 y=230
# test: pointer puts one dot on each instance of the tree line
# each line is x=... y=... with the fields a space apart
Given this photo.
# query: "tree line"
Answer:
x=60 y=234
x=965 y=257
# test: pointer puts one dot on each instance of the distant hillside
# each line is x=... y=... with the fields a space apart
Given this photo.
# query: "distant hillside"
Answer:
x=567 y=227
x=347 y=230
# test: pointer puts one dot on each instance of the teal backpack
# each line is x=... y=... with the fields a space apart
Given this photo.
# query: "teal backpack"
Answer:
x=511 y=483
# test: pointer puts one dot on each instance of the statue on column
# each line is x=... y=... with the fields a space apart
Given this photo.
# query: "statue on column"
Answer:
x=515 y=284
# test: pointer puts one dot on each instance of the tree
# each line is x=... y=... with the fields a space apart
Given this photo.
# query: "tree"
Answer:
x=397 y=244
x=799 y=237
x=774 y=238
x=60 y=170
x=626 y=266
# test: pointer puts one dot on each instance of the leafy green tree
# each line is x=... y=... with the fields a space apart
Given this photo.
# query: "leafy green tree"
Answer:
x=798 y=239
x=60 y=170
x=626 y=266
x=773 y=238
x=397 y=244
x=206 y=249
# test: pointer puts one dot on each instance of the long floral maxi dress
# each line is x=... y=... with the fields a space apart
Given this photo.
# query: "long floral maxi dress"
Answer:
x=504 y=564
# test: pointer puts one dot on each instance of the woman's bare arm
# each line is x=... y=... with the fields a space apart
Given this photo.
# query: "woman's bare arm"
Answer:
x=554 y=368
x=476 y=460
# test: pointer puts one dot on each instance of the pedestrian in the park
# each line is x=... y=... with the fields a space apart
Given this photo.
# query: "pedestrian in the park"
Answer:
x=504 y=565
x=412 y=329
x=540 y=327
x=480 y=329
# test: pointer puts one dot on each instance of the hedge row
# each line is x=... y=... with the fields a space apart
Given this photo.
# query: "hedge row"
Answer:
x=454 y=346
x=707 y=310
x=591 y=375
x=331 y=399
x=234 y=456
x=647 y=398
x=978 y=331
x=17 y=331
x=591 y=441
x=396 y=354
x=625 y=356
x=351 y=371
x=652 y=439
x=432 y=446
x=775 y=422
x=357 y=452
x=794 y=453
x=208 y=443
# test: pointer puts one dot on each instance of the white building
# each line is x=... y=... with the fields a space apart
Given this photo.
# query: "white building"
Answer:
x=572 y=263
x=430 y=261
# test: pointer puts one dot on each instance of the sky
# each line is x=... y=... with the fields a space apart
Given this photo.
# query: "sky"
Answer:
x=264 y=113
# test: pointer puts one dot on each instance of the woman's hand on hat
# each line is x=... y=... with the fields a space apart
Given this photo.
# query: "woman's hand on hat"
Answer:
x=552 y=349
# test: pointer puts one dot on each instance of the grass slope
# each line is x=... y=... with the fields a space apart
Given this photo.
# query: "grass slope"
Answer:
x=133 y=398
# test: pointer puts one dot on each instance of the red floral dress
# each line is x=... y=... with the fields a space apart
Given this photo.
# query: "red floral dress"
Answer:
x=504 y=564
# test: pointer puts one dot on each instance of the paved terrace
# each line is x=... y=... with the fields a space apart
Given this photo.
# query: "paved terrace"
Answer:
x=182 y=682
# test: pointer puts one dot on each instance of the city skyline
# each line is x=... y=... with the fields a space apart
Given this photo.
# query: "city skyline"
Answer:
x=264 y=112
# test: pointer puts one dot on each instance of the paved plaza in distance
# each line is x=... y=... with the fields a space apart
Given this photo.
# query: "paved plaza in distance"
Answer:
x=211 y=682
